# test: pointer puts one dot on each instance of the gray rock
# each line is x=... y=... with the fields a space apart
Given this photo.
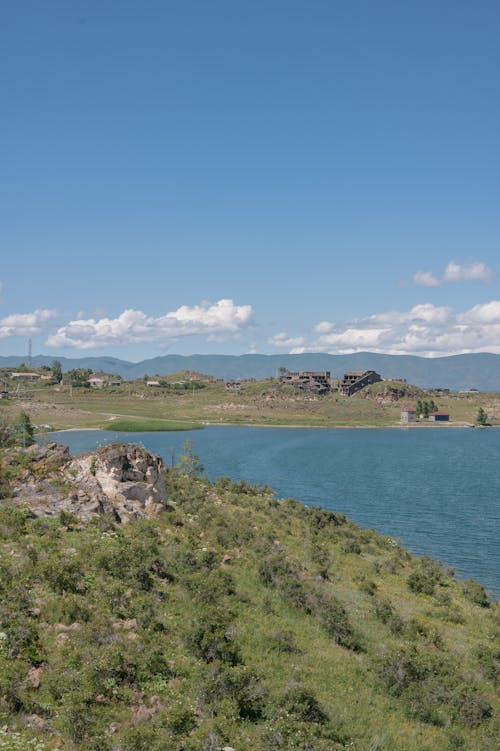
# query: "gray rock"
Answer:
x=123 y=480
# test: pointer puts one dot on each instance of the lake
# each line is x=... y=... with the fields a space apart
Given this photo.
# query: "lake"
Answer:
x=437 y=490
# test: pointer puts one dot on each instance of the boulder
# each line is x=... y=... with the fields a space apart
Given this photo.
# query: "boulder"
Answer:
x=122 y=480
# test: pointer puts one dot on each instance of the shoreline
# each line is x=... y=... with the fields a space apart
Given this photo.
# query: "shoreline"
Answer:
x=424 y=426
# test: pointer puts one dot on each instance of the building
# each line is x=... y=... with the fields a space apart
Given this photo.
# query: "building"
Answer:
x=408 y=414
x=101 y=380
x=97 y=382
x=357 y=380
x=439 y=417
x=316 y=381
x=25 y=376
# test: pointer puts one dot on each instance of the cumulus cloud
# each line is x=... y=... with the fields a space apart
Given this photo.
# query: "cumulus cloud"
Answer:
x=24 y=324
x=220 y=320
x=324 y=327
x=426 y=330
x=283 y=340
x=425 y=279
x=455 y=272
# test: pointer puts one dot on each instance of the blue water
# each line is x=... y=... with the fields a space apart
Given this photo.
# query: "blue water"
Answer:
x=436 y=490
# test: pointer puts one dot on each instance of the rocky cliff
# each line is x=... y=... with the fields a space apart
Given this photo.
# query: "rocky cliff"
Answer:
x=122 y=480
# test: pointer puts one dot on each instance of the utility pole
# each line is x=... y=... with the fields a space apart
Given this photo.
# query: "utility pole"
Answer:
x=29 y=352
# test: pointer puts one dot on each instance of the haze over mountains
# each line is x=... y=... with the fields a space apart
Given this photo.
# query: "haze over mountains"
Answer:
x=480 y=371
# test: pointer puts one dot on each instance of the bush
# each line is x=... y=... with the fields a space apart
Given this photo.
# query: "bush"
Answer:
x=302 y=703
x=432 y=692
x=211 y=637
x=475 y=593
x=425 y=577
x=281 y=641
x=238 y=684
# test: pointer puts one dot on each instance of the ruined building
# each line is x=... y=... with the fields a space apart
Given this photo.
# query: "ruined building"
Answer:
x=316 y=382
x=357 y=380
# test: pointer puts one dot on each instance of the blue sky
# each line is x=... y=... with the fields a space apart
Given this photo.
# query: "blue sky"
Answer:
x=247 y=176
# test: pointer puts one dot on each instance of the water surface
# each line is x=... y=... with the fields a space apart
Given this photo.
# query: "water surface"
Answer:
x=437 y=490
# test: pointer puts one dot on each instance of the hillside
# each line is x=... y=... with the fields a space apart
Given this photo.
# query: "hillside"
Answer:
x=481 y=371
x=230 y=621
x=135 y=406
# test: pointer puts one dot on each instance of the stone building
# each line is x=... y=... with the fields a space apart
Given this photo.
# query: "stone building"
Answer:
x=356 y=380
x=316 y=381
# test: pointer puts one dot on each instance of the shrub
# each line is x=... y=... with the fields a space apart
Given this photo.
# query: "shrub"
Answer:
x=281 y=641
x=239 y=684
x=475 y=593
x=302 y=703
x=383 y=609
x=211 y=637
x=425 y=577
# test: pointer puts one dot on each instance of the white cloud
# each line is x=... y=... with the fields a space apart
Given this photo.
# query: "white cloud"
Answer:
x=487 y=313
x=283 y=340
x=425 y=279
x=455 y=272
x=217 y=321
x=24 y=324
x=324 y=327
x=426 y=330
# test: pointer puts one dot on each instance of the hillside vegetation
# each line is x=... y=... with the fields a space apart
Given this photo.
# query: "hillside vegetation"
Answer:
x=235 y=621
x=135 y=406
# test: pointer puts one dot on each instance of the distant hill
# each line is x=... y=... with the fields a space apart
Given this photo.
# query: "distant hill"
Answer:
x=480 y=371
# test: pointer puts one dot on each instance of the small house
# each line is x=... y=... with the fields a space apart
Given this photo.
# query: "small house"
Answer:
x=408 y=414
x=439 y=417
x=25 y=376
x=97 y=382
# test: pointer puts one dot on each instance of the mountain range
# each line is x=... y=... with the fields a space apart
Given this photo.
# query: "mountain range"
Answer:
x=456 y=372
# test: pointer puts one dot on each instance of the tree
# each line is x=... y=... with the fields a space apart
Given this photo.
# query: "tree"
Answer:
x=24 y=430
x=57 y=371
x=79 y=377
x=189 y=463
x=481 y=417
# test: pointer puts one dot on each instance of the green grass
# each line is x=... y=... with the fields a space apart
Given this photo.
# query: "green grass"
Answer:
x=149 y=426
x=214 y=625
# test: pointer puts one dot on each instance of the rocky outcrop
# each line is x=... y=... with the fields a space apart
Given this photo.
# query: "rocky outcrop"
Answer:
x=122 y=480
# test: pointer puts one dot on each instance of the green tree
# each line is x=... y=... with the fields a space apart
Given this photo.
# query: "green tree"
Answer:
x=79 y=377
x=481 y=417
x=24 y=430
x=189 y=462
x=57 y=371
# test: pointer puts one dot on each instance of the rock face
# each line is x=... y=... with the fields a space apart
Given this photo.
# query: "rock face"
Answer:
x=125 y=481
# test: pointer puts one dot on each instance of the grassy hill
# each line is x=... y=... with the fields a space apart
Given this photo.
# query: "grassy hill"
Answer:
x=134 y=405
x=236 y=621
